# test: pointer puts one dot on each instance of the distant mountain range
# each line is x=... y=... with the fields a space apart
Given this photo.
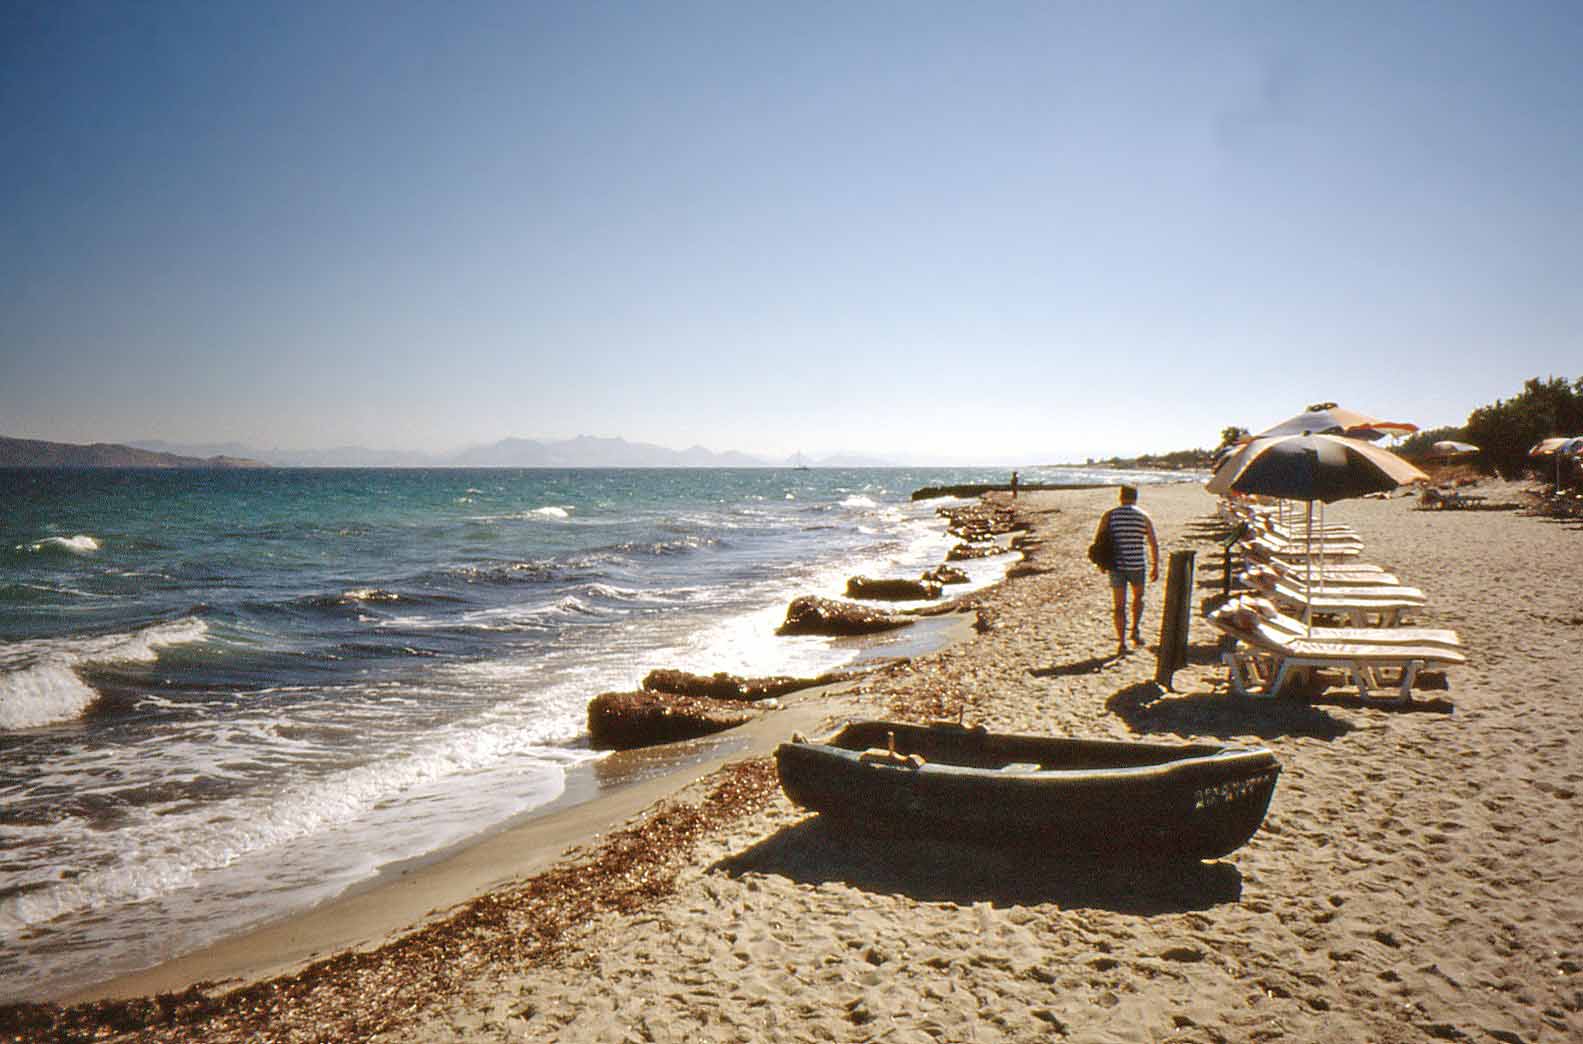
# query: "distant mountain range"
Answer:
x=585 y=451
x=36 y=453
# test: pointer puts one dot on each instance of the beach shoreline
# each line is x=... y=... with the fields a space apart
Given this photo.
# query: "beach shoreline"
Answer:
x=599 y=795
x=1413 y=880
x=187 y=759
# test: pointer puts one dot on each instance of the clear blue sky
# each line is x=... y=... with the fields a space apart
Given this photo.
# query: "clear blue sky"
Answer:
x=993 y=232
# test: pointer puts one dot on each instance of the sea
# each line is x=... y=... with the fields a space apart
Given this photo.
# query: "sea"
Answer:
x=227 y=696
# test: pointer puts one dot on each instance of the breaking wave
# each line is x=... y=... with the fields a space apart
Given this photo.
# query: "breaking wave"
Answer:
x=81 y=544
x=39 y=684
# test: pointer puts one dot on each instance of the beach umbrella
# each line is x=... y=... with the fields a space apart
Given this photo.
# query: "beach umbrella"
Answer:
x=1328 y=418
x=1312 y=467
x=1331 y=419
x=1556 y=446
x=1448 y=448
x=1572 y=447
x=1323 y=468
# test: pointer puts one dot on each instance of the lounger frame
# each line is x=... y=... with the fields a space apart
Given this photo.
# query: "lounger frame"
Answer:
x=1264 y=661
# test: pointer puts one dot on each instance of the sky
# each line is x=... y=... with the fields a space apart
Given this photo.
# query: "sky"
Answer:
x=935 y=233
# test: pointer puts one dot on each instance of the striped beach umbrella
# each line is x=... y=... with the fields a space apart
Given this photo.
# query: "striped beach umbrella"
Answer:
x=1324 y=468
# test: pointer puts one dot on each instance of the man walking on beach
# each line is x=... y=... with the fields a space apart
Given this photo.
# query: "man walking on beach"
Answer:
x=1130 y=532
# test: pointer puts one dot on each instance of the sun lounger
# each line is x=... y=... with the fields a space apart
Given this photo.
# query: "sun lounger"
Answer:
x=1265 y=659
x=1300 y=536
x=1362 y=610
x=1269 y=518
x=1350 y=567
x=1301 y=551
x=1297 y=534
x=1330 y=575
x=1398 y=636
x=1259 y=576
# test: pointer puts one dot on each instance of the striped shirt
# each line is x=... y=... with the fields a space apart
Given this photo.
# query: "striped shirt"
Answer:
x=1129 y=529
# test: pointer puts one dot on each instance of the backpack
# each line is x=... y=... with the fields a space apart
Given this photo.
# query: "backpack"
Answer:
x=1102 y=552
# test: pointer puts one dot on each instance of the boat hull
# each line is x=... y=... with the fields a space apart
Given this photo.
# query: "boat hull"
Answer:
x=1076 y=798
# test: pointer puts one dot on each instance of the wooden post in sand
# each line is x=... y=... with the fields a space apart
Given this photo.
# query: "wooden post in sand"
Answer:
x=1177 y=619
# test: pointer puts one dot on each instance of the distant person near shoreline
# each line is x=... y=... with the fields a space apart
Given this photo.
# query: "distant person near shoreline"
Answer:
x=1014 y=485
x=1131 y=532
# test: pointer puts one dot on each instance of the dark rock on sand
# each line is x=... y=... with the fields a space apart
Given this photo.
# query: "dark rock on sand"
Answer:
x=962 y=552
x=944 y=574
x=978 y=489
x=625 y=720
x=892 y=590
x=723 y=686
x=979 y=521
x=810 y=614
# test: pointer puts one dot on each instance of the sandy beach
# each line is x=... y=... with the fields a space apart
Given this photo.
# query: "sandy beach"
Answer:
x=1416 y=878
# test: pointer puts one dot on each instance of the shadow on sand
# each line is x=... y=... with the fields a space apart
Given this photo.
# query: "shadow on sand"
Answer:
x=1196 y=654
x=1146 y=708
x=816 y=852
x=1092 y=665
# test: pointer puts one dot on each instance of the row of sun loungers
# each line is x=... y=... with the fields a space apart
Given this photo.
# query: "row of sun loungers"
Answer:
x=1279 y=631
x=1365 y=604
x=1353 y=574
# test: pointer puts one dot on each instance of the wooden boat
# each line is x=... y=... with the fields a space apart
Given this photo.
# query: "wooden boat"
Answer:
x=1083 y=798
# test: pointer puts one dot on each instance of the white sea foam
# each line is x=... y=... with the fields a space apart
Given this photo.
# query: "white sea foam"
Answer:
x=613 y=593
x=42 y=694
x=162 y=851
x=371 y=594
x=550 y=512
x=81 y=544
x=38 y=679
x=857 y=500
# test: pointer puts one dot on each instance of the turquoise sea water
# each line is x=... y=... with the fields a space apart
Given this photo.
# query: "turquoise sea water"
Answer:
x=228 y=695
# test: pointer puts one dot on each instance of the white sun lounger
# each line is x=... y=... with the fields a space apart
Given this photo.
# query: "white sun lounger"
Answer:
x=1362 y=610
x=1351 y=567
x=1261 y=577
x=1389 y=636
x=1265 y=660
x=1334 y=575
x=1302 y=551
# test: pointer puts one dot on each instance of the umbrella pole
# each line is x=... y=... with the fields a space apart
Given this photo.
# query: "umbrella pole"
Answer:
x=1308 y=603
x=1324 y=534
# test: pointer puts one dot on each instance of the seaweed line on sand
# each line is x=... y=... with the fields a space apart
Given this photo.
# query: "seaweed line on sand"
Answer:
x=356 y=994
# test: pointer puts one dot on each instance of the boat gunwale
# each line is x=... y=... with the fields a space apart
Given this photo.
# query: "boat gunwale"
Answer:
x=1175 y=757
x=1259 y=760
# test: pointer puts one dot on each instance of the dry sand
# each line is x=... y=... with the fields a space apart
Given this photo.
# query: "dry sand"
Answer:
x=1417 y=877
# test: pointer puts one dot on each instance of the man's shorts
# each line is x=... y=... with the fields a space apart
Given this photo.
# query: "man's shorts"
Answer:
x=1120 y=578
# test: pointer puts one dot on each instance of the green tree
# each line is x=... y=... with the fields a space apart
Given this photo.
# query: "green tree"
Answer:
x=1508 y=428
